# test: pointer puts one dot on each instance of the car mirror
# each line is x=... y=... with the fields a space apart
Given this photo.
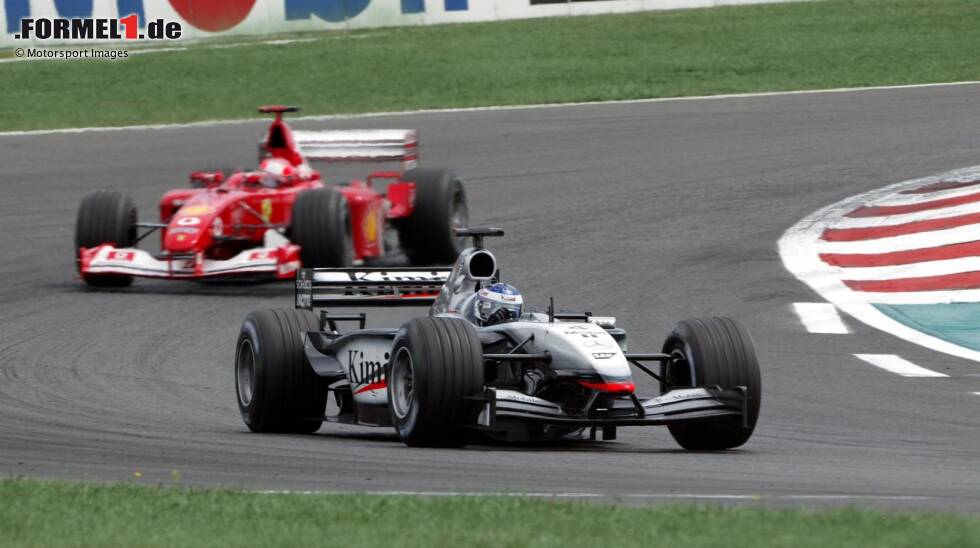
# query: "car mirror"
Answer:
x=206 y=179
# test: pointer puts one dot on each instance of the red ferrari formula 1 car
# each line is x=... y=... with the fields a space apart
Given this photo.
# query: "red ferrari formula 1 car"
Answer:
x=271 y=221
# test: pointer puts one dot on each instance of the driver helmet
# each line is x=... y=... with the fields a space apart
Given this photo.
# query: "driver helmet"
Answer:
x=490 y=300
x=275 y=170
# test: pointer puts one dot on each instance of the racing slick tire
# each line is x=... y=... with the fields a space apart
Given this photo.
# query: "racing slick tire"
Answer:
x=427 y=236
x=105 y=217
x=436 y=364
x=277 y=389
x=321 y=228
x=719 y=352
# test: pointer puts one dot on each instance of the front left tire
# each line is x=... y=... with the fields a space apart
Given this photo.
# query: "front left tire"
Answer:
x=277 y=389
x=105 y=217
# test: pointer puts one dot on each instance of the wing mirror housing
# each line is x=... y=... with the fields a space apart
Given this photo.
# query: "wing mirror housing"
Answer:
x=207 y=179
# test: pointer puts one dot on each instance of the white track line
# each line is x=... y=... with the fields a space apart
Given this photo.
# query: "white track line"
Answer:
x=913 y=297
x=665 y=496
x=820 y=318
x=493 y=108
x=900 y=366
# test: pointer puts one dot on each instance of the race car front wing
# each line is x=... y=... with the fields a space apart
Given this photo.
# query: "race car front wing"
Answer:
x=678 y=405
x=279 y=262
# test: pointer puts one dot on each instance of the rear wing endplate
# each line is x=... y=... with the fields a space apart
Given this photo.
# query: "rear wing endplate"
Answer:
x=401 y=286
x=360 y=145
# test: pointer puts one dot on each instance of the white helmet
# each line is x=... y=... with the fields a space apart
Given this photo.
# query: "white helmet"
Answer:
x=275 y=171
x=277 y=167
x=491 y=300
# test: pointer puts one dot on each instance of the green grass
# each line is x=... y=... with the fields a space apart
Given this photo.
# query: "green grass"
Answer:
x=654 y=54
x=51 y=513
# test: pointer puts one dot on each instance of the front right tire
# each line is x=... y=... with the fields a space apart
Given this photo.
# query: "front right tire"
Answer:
x=321 y=227
x=436 y=364
x=713 y=352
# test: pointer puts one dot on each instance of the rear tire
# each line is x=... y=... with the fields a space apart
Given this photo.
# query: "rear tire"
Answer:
x=719 y=351
x=436 y=363
x=105 y=217
x=321 y=228
x=276 y=387
x=427 y=235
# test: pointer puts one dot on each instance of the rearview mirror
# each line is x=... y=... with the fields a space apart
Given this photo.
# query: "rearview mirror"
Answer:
x=206 y=179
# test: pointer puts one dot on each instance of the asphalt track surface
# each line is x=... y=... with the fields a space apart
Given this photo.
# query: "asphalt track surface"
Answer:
x=648 y=212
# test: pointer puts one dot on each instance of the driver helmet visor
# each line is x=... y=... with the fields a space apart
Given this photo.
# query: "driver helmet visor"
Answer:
x=489 y=302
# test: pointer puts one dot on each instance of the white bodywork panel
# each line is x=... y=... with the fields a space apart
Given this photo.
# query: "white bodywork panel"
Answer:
x=358 y=145
x=584 y=342
x=136 y=262
x=364 y=361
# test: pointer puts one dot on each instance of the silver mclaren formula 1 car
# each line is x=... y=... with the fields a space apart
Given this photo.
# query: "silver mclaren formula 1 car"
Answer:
x=446 y=378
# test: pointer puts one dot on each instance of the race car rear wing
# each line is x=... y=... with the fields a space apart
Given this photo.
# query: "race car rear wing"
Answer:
x=401 y=286
x=360 y=145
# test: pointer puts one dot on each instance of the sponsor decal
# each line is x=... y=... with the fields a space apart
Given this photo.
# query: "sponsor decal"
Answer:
x=371 y=225
x=184 y=230
x=213 y=15
x=603 y=355
x=381 y=276
x=260 y=255
x=590 y=336
x=679 y=395
x=265 y=208
x=189 y=221
x=418 y=6
x=125 y=256
x=361 y=372
x=304 y=290
x=172 y=19
x=518 y=397
x=197 y=210
x=204 y=15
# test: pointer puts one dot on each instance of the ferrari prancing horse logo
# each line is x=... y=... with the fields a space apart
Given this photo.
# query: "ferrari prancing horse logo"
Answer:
x=266 y=208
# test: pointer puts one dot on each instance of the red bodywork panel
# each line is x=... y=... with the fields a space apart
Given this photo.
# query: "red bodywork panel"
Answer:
x=228 y=215
x=235 y=224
